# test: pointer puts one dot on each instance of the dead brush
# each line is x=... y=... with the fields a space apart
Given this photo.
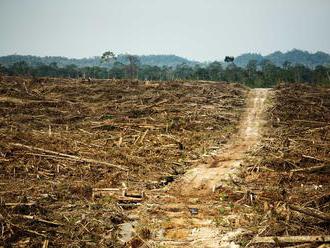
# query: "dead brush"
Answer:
x=62 y=138
x=293 y=186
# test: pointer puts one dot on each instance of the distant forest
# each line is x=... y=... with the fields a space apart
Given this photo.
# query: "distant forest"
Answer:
x=153 y=60
x=253 y=70
x=294 y=56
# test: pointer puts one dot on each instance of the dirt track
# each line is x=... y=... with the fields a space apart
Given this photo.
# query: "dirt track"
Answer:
x=184 y=212
x=209 y=177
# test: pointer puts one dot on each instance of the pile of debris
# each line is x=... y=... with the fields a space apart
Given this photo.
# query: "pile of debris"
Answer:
x=70 y=148
x=289 y=184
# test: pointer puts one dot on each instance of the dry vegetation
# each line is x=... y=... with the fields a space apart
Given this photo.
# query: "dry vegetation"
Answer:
x=62 y=138
x=288 y=180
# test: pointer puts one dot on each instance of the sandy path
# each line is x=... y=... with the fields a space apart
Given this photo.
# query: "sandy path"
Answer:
x=228 y=161
x=184 y=213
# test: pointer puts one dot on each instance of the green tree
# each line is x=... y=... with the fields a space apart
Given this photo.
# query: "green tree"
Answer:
x=286 y=65
x=233 y=73
x=321 y=74
x=133 y=66
x=201 y=73
x=183 y=71
x=215 y=71
x=3 y=70
x=270 y=73
x=252 y=74
x=72 y=71
x=20 y=68
x=108 y=57
x=118 y=70
x=301 y=73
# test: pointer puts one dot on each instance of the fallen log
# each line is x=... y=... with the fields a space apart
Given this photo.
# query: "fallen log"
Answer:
x=311 y=212
x=312 y=158
x=125 y=199
x=15 y=204
x=97 y=192
x=45 y=244
x=71 y=157
x=154 y=105
x=34 y=218
x=292 y=239
x=313 y=168
x=305 y=245
x=133 y=195
x=129 y=205
x=106 y=189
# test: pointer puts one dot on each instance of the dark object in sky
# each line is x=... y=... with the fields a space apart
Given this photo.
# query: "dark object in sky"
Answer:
x=229 y=59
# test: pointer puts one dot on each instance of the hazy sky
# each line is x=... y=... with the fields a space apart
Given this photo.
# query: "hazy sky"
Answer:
x=196 y=29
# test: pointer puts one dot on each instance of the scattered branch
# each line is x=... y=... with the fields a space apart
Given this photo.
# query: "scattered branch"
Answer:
x=311 y=212
x=313 y=168
x=71 y=157
x=292 y=239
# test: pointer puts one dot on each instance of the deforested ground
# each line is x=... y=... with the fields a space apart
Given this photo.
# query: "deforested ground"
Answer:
x=287 y=176
x=125 y=163
x=67 y=144
x=193 y=210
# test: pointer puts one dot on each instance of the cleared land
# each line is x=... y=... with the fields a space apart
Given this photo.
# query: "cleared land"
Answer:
x=140 y=164
x=287 y=177
x=186 y=213
x=66 y=144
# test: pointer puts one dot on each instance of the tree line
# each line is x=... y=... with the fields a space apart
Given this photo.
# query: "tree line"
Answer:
x=255 y=74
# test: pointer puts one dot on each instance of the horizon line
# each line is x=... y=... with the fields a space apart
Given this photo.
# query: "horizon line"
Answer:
x=190 y=59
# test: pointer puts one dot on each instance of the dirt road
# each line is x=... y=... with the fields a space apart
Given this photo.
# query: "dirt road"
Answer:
x=184 y=213
x=225 y=165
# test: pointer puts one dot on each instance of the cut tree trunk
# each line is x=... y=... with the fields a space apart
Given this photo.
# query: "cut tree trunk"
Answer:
x=292 y=239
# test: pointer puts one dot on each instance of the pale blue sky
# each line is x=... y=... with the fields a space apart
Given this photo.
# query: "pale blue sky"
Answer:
x=196 y=29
